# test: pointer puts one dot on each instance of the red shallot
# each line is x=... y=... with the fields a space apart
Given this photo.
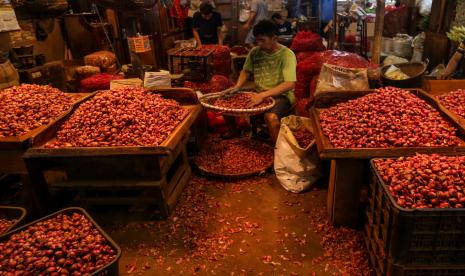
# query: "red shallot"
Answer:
x=5 y=224
x=455 y=101
x=122 y=117
x=390 y=117
x=303 y=136
x=235 y=156
x=62 y=245
x=425 y=181
x=239 y=101
x=28 y=106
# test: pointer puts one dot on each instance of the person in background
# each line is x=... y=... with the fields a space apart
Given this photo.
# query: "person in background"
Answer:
x=454 y=62
x=207 y=25
x=274 y=69
x=258 y=12
x=284 y=26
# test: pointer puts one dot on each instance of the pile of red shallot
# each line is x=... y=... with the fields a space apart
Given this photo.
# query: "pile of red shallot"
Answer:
x=62 y=245
x=303 y=136
x=28 y=106
x=390 y=117
x=425 y=181
x=5 y=224
x=455 y=101
x=122 y=117
x=234 y=156
x=239 y=101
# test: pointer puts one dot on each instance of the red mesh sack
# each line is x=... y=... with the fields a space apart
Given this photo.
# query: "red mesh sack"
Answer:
x=239 y=50
x=302 y=107
x=312 y=65
x=304 y=55
x=221 y=59
x=307 y=41
x=345 y=59
x=302 y=85
x=313 y=84
x=216 y=84
x=98 y=82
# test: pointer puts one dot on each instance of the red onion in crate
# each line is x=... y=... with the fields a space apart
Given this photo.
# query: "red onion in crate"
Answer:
x=26 y=107
x=62 y=244
x=123 y=117
x=390 y=117
x=425 y=181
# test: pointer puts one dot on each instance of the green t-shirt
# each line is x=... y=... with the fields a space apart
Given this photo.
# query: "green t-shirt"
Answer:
x=270 y=70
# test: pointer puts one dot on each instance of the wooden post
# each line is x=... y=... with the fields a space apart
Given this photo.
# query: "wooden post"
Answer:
x=379 y=24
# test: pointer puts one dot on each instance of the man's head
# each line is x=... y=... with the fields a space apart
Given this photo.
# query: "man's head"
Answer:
x=266 y=35
x=277 y=18
x=206 y=10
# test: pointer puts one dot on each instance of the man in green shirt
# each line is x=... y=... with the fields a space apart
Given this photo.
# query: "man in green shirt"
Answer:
x=274 y=69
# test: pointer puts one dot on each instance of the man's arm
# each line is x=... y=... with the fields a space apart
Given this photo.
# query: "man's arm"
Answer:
x=452 y=65
x=275 y=91
x=253 y=14
x=243 y=77
x=220 y=35
x=197 y=37
x=249 y=22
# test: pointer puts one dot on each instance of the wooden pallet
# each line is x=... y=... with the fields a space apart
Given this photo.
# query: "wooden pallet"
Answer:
x=350 y=167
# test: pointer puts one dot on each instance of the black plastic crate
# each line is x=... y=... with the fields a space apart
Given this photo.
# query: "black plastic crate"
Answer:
x=399 y=270
x=12 y=213
x=414 y=237
x=111 y=268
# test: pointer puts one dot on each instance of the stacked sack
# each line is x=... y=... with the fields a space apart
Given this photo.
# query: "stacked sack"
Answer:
x=216 y=84
x=305 y=45
x=221 y=59
x=308 y=70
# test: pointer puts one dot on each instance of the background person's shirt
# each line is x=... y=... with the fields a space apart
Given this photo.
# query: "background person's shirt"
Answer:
x=285 y=28
x=207 y=29
x=260 y=7
x=270 y=70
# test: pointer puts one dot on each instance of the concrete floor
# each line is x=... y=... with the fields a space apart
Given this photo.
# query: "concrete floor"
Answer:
x=247 y=227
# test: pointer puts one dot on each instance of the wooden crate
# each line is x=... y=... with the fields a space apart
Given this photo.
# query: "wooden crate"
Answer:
x=327 y=151
x=12 y=148
x=124 y=175
x=439 y=87
x=350 y=167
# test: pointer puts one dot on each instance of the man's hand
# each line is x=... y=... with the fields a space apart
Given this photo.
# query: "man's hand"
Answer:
x=199 y=45
x=255 y=99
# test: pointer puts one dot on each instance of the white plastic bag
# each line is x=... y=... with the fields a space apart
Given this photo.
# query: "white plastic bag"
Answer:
x=157 y=79
x=424 y=6
x=297 y=169
x=336 y=78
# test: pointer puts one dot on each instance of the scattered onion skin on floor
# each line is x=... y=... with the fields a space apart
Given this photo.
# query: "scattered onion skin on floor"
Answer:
x=198 y=238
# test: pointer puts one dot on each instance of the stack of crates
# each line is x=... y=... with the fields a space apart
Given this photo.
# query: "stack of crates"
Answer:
x=416 y=242
x=194 y=64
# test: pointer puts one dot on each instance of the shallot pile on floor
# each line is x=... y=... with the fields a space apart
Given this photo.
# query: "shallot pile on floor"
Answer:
x=243 y=227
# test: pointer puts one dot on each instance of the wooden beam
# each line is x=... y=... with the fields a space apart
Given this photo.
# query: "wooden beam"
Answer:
x=379 y=24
